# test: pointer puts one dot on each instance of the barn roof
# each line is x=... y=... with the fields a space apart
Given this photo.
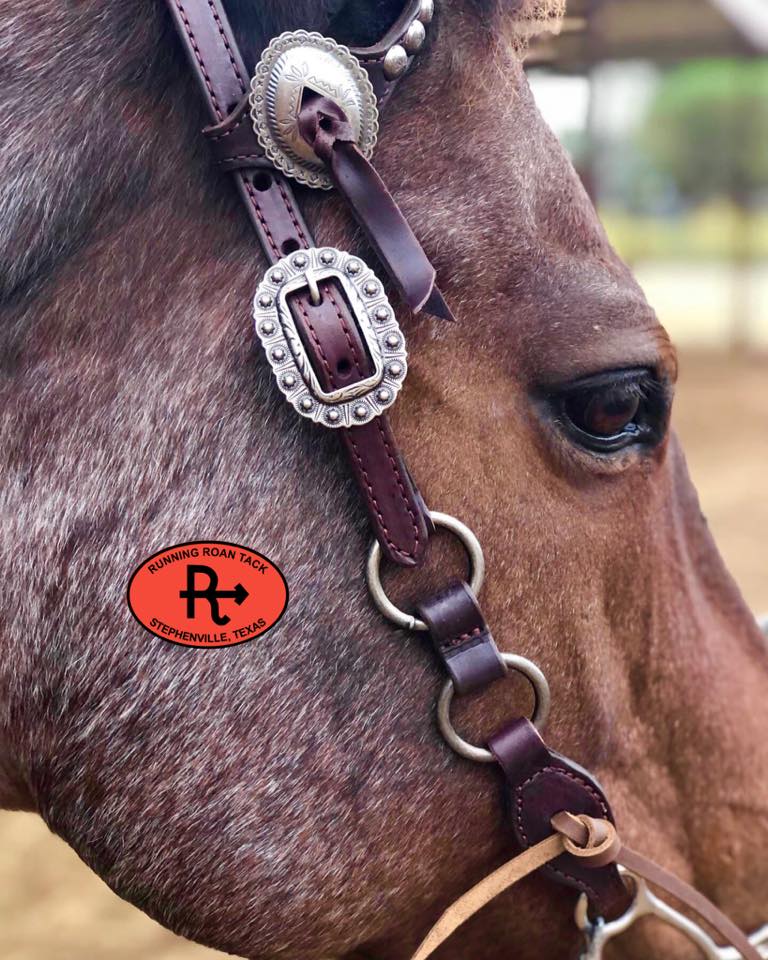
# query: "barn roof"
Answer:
x=660 y=30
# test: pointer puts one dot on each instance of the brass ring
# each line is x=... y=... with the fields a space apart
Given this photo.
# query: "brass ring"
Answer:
x=373 y=571
x=540 y=712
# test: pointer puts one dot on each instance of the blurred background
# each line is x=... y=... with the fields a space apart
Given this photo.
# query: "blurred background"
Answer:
x=664 y=109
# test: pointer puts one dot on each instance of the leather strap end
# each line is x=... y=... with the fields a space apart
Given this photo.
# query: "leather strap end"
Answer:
x=436 y=306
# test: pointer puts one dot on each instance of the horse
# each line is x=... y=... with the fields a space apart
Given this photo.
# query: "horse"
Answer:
x=291 y=796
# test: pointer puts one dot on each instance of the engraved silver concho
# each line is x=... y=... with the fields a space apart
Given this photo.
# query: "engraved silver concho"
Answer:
x=357 y=403
x=291 y=64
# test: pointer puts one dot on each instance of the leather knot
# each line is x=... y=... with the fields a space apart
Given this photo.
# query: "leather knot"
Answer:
x=593 y=841
x=322 y=123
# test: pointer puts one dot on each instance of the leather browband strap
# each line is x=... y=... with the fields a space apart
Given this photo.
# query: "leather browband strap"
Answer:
x=329 y=332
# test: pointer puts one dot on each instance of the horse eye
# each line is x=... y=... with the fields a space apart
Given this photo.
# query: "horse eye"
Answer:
x=602 y=413
x=611 y=411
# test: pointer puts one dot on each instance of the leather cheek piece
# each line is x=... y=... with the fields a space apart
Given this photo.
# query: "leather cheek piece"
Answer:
x=541 y=784
x=339 y=358
x=397 y=512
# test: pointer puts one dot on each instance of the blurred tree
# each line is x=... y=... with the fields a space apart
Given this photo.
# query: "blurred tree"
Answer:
x=707 y=129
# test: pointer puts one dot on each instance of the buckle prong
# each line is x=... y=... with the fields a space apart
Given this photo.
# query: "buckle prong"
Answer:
x=314 y=290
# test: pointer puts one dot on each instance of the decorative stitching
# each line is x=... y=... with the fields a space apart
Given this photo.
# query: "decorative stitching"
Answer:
x=382 y=523
x=199 y=56
x=260 y=215
x=317 y=342
x=224 y=37
x=590 y=789
x=291 y=211
x=345 y=328
x=401 y=485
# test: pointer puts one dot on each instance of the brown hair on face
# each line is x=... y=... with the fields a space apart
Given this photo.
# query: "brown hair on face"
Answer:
x=291 y=797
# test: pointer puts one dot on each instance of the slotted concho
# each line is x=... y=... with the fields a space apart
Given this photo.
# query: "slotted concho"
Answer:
x=292 y=65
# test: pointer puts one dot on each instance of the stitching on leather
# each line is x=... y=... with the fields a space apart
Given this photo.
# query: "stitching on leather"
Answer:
x=590 y=789
x=462 y=638
x=292 y=213
x=382 y=523
x=198 y=55
x=345 y=328
x=224 y=37
x=260 y=215
x=316 y=341
x=401 y=485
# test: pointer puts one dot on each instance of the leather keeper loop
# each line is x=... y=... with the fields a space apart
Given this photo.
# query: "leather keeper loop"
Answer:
x=462 y=638
x=233 y=143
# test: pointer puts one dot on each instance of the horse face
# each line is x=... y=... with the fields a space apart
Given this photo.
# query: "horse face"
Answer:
x=291 y=796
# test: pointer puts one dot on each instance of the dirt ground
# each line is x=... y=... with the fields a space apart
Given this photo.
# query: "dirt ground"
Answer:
x=53 y=908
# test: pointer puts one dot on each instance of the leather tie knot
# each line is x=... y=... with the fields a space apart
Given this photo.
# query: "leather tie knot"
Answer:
x=593 y=841
x=322 y=123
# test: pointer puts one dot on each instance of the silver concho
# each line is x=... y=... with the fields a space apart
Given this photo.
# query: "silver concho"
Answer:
x=276 y=329
x=291 y=64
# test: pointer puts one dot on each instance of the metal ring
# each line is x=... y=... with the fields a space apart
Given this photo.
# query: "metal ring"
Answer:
x=373 y=571
x=540 y=712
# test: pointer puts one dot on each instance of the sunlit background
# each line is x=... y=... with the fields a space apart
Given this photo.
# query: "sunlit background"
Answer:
x=664 y=109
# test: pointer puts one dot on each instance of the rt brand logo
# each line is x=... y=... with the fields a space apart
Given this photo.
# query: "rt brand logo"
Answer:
x=210 y=593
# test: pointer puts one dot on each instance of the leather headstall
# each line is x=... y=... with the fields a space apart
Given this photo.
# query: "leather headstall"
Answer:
x=308 y=112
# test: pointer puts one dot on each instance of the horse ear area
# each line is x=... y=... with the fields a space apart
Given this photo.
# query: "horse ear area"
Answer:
x=267 y=18
x=540 y=16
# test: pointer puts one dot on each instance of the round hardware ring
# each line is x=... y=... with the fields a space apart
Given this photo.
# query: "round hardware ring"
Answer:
x=540 y=712
x=373 y=571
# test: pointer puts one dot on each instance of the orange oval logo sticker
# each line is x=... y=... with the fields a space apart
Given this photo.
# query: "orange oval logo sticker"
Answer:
x=207 y=594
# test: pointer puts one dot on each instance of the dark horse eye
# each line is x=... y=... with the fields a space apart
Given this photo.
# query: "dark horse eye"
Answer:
x=610 y=411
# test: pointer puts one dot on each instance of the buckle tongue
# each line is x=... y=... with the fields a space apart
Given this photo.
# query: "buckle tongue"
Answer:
x=359 y=402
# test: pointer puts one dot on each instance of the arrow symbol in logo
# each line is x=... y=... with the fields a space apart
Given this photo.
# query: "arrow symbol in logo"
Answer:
x=210 y=593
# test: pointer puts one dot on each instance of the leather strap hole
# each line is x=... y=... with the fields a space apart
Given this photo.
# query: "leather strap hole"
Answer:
x=262 y=182
x=291 y=245
x=343 y=367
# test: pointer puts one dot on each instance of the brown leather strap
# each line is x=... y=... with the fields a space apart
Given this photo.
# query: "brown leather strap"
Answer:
x=595 y=842
x=327 y=130
x=398 y=515
x=339 y=358
x=580 y=831
x=541 y=784
x=234 y=143
x=488 y=889
x=372 y=58
x=462 y=638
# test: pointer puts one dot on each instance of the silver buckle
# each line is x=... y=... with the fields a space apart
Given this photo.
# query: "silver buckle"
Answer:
x=359 y=402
